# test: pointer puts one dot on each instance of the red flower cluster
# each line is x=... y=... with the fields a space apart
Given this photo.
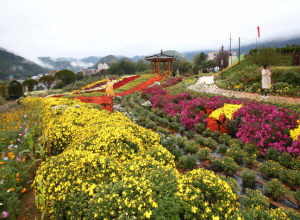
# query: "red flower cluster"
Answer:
x=122 y=82
x=106 y=102
x=218 y=125
x=142 y=86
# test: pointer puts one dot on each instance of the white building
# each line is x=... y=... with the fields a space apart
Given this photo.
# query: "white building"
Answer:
x=213 y=55
x=102 y=66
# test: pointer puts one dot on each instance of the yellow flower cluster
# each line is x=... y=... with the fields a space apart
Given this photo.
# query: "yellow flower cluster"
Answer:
x=199 y=187
x=228 y=110
x=295 y=133
x=106 y=166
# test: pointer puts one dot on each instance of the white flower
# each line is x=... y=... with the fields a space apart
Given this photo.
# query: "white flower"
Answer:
x=5 y=158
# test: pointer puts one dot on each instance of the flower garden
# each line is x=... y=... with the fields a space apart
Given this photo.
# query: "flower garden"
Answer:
x=154 y=151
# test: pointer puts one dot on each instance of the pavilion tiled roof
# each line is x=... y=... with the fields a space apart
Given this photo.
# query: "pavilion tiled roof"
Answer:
x=160 y=57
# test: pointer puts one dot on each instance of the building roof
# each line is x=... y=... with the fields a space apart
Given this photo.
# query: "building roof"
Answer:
x=161 y=57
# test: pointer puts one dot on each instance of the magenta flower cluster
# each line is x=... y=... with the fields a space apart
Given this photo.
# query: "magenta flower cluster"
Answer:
x=266 y=126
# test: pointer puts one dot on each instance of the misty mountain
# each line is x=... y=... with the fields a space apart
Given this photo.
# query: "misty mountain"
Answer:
x=137 y=58
x=17 y=66
x=68 y=63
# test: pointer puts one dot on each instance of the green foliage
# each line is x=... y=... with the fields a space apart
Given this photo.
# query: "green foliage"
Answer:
x=190 y=134
x=291 y=177
x=122 y=68
x=47 y=80
x=30 y=83
x=66 y=76
x=203 y=153
x=177 y=153
x=15 y=89
x=248 y=176
x=297 y=195
x=224 y=139
x=254 y=199
x=285 y=160
x=272 y=154
x=200 y=128
x=265 y=55
x=222 y=148
x=274 y=188
x=251 y=149
x=235 y=187
x=2 y=100
x=188 y=161
x=270 y=168
x=236 y=153
x=216 y=134
x=209 y=142
x=191 y=146
x=227 y=164
x=250 y=159
x=59 y=85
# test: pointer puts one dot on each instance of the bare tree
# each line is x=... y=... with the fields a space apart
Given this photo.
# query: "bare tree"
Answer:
x=222 y=55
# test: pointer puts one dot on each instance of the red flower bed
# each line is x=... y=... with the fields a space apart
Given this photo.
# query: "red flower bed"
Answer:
x=122 y=82
x=106 y=102
x=218 y=125
x=142 y=86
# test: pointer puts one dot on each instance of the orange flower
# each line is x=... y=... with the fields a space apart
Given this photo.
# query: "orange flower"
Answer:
x=3 y=139
x=11 y=142
x=12 y=189
x=23 y=190
x=10 y=153
x=17 y=174
x=1 y=162
x=18 y=179
x=3 y=176
x=23 y=159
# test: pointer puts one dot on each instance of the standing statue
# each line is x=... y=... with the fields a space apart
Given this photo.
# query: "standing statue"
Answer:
x=109 y=90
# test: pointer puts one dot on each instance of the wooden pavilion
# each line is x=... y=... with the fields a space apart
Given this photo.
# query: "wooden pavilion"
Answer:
x=161 y=58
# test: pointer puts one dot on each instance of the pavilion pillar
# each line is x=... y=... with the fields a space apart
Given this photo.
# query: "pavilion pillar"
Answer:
x=158 y=67
x=164 y=66
x=169 y=67
x=154 y=67
x=151 y=67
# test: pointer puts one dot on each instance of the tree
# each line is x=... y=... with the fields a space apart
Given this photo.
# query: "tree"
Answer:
x=184 y=66
x=121 y=68
x=66 y=76
x=208 y=64
x=79 y=76
x=199 y=58
x=265 y=55
x=47 y=81
x=30 y=83
x=222 y=56
x=141 y=65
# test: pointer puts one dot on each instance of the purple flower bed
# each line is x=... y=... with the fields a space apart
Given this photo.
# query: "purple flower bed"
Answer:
x=266 y=126
x=263 y=125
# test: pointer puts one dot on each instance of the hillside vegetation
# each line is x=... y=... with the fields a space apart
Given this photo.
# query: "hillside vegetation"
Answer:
x=246 y=76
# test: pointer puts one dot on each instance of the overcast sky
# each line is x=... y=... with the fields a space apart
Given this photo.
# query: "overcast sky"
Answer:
x=82 y=28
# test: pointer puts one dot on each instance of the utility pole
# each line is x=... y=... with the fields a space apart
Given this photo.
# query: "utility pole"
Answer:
x=230 y=50
x=222 y=62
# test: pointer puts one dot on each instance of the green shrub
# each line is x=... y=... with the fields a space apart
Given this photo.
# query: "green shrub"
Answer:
x=297 y=195
x=250 y=159
x=151 y=125
x=200 y=128
x=251 y=149
x=188 y=161
x=199 y=139
x=248 y=176
x=227 y=164
x=175 y=125
x=270 y=169
x=215 y=135
x=209 y=142
x=177 y=153
x=274 y=188
x=236 y=153
x=207 y=133
x=224 y=139
x=236 y=142
x=296 y=163
x=291 y=177
x=164 y=122
x=254 y=199
x=285 y=160
x=203 y=153
x=190 y=134
x=272 y=154
x=2 y=100
x=234 y=185
x=191 y=146
x=169 y=143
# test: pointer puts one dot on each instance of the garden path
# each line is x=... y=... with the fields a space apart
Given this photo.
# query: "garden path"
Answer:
x=206 y=84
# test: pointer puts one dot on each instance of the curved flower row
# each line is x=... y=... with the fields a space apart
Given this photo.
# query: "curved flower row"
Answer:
x=107 y=167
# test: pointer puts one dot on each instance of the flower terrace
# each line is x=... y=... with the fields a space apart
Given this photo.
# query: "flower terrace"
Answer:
x=153 y=151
